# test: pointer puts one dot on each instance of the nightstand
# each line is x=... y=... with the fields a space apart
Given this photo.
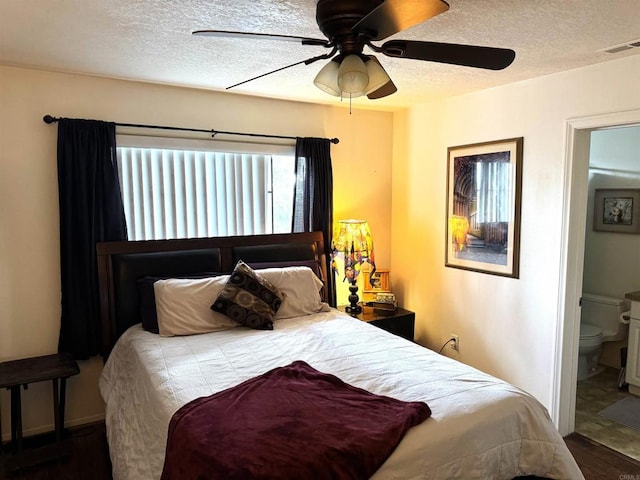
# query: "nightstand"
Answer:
x=400 y=322
x=18 y=374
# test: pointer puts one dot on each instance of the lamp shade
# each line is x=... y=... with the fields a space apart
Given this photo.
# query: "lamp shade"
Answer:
x=352 y=75
x=353 y=240
x=327 y=79
x=377 y=75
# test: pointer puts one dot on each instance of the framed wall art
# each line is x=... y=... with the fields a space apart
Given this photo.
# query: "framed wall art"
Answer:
x=616 y=210
x=484 y=191
x=379 y=283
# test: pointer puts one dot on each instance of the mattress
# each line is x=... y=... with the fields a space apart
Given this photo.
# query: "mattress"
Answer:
x=480 y=427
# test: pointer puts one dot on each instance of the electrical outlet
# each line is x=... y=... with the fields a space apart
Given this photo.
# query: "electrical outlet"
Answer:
x=455 y=342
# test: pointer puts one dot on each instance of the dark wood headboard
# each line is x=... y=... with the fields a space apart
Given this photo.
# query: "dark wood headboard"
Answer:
x=121 y=264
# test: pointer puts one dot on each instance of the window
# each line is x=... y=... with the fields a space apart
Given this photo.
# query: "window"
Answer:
x=178 y=188
x=493 y=187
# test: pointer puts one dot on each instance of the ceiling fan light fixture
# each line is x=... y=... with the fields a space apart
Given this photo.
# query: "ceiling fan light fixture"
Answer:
x=377 y=75
x=327 y=79
x=352 y=75
x=353 y=94
x=349 y=26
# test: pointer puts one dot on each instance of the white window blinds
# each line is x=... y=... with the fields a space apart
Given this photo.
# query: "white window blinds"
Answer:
x=180 y=193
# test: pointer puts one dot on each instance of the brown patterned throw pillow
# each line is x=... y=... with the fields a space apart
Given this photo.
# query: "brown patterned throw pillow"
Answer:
x=248 y=299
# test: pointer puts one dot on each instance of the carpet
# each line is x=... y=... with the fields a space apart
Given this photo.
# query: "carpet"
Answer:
x=625 y=411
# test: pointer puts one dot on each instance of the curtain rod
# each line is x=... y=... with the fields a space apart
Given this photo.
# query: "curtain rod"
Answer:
x=49 y=119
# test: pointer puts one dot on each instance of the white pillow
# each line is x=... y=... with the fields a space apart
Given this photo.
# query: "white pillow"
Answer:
x=183 y=306
x=301 y=288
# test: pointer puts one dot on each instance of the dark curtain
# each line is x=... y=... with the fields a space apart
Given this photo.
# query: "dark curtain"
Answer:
x=91 y=211
x=313 y=196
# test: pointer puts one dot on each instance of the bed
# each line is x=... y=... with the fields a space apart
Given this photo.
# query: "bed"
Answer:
x=479 y=427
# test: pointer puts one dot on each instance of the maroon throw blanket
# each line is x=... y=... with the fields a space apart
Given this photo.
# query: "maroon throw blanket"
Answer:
x=292 y=422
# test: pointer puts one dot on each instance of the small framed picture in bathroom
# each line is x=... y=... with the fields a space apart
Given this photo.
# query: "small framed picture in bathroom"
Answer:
x=617 y=210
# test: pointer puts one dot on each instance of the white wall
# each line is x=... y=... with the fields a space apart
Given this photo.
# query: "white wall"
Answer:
x=612 y=260
x=29 y=243
x=507 y=327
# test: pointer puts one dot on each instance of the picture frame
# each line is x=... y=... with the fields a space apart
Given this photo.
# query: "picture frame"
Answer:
x=484 y=195
x=616 y=210
x=378 y=284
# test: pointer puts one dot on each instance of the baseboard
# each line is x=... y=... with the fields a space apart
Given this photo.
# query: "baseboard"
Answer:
x=50 y=427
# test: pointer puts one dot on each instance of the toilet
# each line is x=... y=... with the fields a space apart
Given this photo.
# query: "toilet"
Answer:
x=603 y=319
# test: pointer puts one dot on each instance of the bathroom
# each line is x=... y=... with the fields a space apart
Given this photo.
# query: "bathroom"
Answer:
x=612 y=270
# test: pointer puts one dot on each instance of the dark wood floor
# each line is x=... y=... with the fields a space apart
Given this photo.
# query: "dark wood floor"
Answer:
x=598 y=462
x=88 y=459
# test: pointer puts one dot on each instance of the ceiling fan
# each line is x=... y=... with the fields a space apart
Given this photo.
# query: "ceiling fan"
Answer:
x=350 y=25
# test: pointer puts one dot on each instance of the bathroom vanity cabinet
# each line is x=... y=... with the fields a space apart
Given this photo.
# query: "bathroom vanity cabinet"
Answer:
x=633 y=352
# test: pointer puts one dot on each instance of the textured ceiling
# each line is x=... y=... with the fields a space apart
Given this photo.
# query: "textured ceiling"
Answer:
x=151 y=40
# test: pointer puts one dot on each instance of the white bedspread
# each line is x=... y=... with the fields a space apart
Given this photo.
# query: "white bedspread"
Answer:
x=481 y=427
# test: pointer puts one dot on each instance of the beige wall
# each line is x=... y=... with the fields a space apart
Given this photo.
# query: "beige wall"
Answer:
x=507 y=327
x=29 y=244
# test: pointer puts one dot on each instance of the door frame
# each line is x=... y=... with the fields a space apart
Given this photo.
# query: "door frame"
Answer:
x=574 y=217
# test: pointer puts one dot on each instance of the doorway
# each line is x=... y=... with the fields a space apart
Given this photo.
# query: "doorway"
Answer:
x=611 y=266
x=578 y=137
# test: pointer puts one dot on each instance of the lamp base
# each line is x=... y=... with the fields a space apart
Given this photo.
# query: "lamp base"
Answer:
x=353 y=308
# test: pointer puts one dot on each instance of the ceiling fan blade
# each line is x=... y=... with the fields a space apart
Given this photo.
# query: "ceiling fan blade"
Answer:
x=387 y=89
x=263 y=36
x=393 y=16
x=308 y=61
x=467 y=55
